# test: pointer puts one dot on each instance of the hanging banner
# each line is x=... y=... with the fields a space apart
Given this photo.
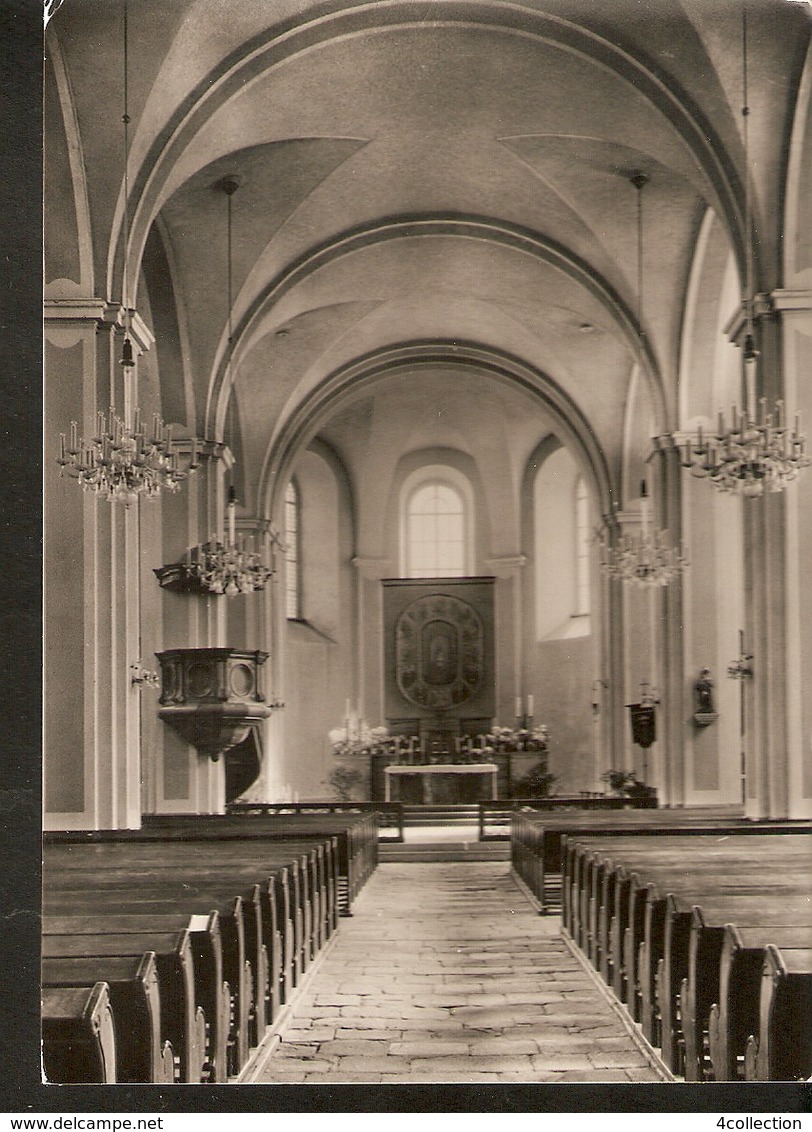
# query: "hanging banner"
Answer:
x=644 y=731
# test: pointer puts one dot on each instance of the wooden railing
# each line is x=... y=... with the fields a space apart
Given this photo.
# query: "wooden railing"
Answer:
x=390 y=814
x=494 y=816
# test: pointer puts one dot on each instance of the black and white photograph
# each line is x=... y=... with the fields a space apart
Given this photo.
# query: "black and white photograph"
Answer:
x=426 y=534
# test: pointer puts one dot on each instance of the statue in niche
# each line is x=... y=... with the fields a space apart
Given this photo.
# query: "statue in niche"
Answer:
x=703 y=695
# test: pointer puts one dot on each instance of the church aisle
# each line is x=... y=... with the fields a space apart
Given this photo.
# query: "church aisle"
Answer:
x=446 y=973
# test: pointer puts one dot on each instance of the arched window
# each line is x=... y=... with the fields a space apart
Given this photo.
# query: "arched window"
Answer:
x=435 y=534
x=582 y=548
x=293 y=597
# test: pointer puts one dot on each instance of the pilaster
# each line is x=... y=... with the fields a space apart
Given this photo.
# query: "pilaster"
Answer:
x=510 y=631
x=92 y=756
x=369 y=694
x=667 y=629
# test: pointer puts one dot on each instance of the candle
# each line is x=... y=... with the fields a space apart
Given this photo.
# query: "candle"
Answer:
x=518 y=706
x=231 y=523
x=530 y=705
x=62 y=446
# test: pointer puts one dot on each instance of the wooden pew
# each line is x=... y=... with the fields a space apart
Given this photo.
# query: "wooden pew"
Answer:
x=588 y=857
x=632 y=904
x=78 y=1035
x=733 y=1019
x=275 y=893
x=182 y=1022
x=132 y=983
x=212 y=994
x=307 y=871
x=282 y=870
x=148 y=896
x=789 y=907
x=659 y=947
x=782 y=1051
x=356 y=836
x=551 y=830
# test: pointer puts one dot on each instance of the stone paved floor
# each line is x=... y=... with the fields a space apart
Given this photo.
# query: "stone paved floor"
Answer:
x=446 y=973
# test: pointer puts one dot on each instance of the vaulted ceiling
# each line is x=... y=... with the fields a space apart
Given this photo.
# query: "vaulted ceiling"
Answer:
x=435 y=221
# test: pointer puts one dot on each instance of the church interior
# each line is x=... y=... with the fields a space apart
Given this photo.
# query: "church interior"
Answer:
x=425 y=392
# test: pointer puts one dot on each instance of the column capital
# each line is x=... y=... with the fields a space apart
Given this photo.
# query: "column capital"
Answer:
x=736 y=326
x=141 y=335
x=255 y=524
x=796 y=299
x=71 y=314
x=204 y=449
x=75 y=310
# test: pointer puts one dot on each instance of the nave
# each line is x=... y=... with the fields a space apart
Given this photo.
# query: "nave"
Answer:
x=447 y=973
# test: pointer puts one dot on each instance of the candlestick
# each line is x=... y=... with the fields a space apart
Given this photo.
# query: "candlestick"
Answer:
x=231 y=521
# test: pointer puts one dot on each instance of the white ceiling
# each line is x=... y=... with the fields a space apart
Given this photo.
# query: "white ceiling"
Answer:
x=435 y=172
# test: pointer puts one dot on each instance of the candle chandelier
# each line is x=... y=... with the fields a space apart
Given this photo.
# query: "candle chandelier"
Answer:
x=756 y=451
x=232 y=566
x=125 y=458
x=646 y=558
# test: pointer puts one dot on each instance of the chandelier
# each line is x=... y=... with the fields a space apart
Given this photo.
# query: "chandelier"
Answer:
x=750 y=455
x=125 y=458
x=755 y=451
x=646 y=558
x=232 y=566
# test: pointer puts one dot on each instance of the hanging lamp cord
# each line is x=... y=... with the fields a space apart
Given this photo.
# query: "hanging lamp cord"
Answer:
x=750 y=352
x=125 y=288
x=640 y=180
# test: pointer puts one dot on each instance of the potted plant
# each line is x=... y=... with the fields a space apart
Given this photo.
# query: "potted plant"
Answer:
x=625 y=783
x=618 y=780
x=537 y=783
x=345 y=780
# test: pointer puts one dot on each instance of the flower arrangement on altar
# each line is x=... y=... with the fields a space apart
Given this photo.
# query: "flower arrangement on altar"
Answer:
x=359 y=739
x=517 y=739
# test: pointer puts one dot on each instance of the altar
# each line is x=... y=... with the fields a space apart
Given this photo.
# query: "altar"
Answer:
x=440 y=783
